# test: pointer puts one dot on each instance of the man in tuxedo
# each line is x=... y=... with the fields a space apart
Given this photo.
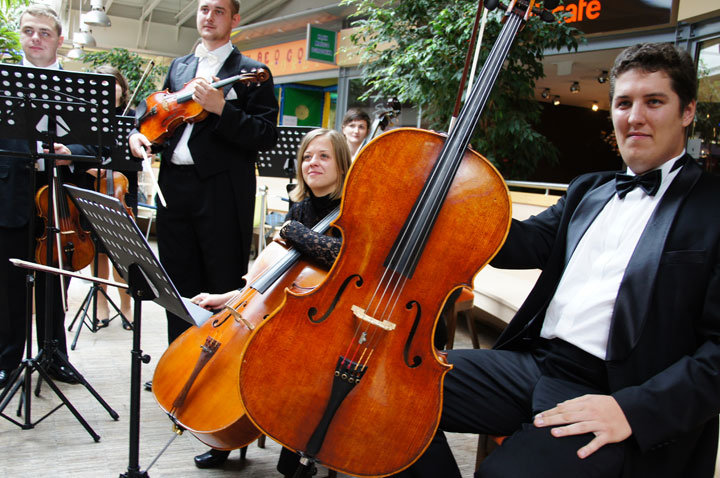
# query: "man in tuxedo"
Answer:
x=611 y=367
x=207 y=173
x=40 y=38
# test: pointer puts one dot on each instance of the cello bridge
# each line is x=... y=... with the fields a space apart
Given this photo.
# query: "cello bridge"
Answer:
x=238 y=317
x=383 y=324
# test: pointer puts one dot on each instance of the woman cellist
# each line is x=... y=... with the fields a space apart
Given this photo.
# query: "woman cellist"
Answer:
x=322 y=162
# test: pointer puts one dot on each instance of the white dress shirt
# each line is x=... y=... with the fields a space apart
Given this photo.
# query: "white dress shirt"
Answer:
x=209 y=64
x=581 y=310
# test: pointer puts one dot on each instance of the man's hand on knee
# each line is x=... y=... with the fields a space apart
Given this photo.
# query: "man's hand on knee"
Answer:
x=597 y=414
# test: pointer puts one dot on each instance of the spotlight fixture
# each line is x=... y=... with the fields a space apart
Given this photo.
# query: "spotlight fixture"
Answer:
x=575 y=87
x=84 y=36
x=556 y=100
x=545 y=93
x=595 y=106
x=76 y=53
x=603 y=78
x=97 y=16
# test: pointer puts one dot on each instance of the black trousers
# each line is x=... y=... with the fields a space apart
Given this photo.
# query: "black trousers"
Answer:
x=13 y=243
x=57 y=326
x=498 y=392
x=199 y=236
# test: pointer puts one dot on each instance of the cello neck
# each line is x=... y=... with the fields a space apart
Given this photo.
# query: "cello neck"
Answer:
x=410 y=242
x=264 y=282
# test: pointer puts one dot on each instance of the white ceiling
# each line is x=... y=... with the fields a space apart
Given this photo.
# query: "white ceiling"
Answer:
x=167 y=27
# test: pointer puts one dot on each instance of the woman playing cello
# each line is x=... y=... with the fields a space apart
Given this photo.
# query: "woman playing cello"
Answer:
x=322 y=162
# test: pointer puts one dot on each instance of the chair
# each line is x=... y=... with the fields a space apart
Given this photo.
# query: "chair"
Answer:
x=461 y=301
x=486 y=444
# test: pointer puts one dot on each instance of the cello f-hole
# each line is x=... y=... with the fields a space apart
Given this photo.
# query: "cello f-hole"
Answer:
x=417 y=360
x=312 y=311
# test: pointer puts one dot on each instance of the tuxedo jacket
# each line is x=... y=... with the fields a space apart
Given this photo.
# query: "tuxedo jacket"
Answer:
x=663 y=355
x=16 y=198
x=228 y=143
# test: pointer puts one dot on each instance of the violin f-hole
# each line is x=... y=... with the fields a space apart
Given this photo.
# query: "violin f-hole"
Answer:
x=312 y=311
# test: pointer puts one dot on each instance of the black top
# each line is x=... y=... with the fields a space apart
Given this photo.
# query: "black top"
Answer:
x=297 y=230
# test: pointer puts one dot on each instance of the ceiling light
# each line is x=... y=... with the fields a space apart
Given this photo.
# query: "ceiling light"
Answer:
x=595 y=106
x=97 y=16
x=556 y=100
x=84 y=36
x=545 y=93
x=76 y=53
x=575 y=87
x=603 y=78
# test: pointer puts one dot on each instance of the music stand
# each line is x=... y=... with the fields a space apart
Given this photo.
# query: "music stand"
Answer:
x=279 y=162
x=133 y=258
x=42 y=105
x=119 y=159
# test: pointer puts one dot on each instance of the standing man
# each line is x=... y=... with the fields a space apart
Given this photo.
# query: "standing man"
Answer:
x=611 y=367
x=207 y=173
x=40 y=38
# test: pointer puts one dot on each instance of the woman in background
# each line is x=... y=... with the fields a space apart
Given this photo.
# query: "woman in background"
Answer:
x=355 y=127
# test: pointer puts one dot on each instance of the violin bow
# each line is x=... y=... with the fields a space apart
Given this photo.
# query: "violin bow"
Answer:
x=144 y=76
x=58 y=230
x=148 y=167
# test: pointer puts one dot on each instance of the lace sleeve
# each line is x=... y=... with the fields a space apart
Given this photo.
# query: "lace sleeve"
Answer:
x=317 y=247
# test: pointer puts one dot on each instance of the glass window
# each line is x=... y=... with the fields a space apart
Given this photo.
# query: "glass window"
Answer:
x=706 y=129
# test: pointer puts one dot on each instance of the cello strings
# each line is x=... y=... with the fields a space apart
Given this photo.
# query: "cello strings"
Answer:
x=444 y=173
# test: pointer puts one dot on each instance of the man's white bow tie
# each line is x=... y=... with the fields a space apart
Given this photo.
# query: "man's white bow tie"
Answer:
x=202 y=52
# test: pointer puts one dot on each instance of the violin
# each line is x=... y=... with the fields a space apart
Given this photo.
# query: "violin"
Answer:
x=115 y=184
x=166 y=111
x=347 y=374
x=74 y=248
x=195 y=380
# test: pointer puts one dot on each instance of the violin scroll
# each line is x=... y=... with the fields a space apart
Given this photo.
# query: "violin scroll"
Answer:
x=257 y=76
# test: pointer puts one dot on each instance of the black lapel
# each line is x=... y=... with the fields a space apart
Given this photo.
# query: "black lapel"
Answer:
x=585 y=214
x=185 y=71
x=636 y=289
x=229 y=68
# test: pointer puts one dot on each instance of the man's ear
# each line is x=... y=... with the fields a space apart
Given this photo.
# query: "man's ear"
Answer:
x=235 y=20
x=688 y=114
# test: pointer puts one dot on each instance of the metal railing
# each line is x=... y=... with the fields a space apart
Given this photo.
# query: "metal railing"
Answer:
x=537 y=185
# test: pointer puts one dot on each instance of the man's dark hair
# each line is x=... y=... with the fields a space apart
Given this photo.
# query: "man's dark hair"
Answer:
x=652 y=57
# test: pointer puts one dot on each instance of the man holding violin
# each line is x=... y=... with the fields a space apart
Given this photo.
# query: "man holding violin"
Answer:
x=40 y=38
x=207 y=173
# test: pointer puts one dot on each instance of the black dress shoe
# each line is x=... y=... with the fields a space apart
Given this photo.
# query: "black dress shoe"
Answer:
x=148 y=386
x=63 y=374
x=211 y=458
x=5 y=377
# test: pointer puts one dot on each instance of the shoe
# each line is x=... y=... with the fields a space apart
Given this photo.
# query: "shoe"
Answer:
x=63 y=374
x=148 y=386
x=127 y=325
x=5 y=377
x=211 y=458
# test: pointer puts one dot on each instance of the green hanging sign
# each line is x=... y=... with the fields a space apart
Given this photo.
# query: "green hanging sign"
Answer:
x=321 y=44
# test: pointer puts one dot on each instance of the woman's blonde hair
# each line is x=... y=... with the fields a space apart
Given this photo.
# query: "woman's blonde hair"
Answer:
x=342 y=161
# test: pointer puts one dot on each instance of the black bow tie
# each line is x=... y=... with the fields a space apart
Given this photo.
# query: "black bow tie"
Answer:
x=649 y=182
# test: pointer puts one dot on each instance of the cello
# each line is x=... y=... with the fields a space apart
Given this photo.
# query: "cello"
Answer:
x=354 y=381
x=195 y=381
